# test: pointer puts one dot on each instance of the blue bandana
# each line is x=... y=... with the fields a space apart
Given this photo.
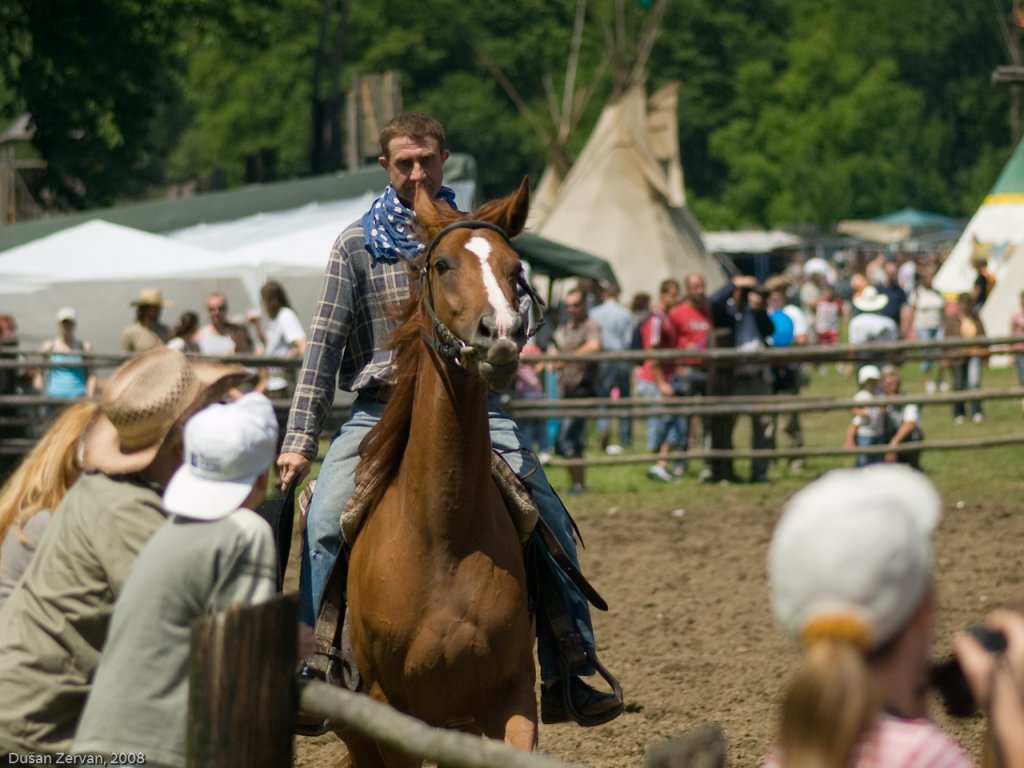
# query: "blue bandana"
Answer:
x=388 y=229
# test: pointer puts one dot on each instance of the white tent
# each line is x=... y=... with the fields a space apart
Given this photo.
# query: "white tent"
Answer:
x=996 y=231
x=98 y=268
x=290 y=246
x=623 y=199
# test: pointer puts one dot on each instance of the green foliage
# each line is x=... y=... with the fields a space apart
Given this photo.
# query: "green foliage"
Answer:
x=95 y=76
x=248 y=95
x=826 y=138
x=791 y=111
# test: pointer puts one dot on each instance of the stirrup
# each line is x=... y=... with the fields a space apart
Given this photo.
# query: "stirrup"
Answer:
x=590 y=655
x=305 y=724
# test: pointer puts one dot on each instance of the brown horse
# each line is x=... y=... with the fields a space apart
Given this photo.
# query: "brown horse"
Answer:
x=436 y=586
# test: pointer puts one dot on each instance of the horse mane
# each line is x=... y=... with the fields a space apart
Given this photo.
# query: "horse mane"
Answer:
x=381 y=450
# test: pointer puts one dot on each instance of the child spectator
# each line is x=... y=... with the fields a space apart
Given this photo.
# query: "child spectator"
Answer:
x=868 y=425
x=214 y=552
x=850 y=569
x=902 y=422
x=529 y=386
x=828 y=314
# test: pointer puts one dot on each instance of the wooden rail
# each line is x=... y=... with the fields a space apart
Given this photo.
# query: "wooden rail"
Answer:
x=243 y=697
x=21 y=410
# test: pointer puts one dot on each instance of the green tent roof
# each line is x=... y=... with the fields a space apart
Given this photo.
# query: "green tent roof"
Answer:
x=545 y=256
x=1011 y=181
x=558 y=261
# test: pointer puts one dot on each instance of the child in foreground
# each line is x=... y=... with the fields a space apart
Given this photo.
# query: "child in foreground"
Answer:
x=212 y=553
x=850 y=570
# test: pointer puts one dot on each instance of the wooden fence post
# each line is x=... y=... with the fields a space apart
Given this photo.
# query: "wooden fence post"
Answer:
x=242 y=686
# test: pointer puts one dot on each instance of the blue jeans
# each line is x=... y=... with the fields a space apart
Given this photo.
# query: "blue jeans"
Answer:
x=967 y=376
x=863 y=459
x=669 y=429
x=616 y=374
x=336 y=483
x=927 y=363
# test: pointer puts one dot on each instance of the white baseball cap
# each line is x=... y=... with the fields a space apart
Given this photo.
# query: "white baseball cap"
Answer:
x=66 y=313
x=227 y=447
x=855 y=544
x=869 y=372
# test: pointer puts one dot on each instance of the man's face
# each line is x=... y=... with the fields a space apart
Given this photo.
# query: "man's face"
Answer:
x=576 y=307
x=891 y=384
x=412 y=162
x=217 y=306
x=670 y=297
x=695 y=291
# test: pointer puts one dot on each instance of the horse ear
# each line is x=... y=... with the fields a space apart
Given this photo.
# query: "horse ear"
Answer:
x=508 y=212
x=430 y=217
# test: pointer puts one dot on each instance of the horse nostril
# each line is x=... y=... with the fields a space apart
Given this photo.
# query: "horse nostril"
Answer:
x=487 y=329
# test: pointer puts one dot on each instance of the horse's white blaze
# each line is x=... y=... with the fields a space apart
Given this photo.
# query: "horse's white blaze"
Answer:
x=503 y=314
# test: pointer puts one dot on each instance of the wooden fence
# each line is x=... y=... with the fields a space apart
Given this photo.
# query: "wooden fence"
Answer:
x=21 y=411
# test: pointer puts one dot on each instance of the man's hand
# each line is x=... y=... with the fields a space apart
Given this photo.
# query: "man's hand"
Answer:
x=292 y=466
x=745 y=281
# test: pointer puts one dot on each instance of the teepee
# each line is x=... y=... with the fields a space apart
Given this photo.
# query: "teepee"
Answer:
x=996 y=231
x=623 y=198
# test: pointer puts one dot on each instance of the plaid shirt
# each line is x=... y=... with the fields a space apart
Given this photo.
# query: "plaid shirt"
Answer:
x=347 y=346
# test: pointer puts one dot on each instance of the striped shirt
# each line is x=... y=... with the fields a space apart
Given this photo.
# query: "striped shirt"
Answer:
x=347 y=345
x=899 y=743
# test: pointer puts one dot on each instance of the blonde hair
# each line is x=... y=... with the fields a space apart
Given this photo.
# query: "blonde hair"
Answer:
x=832 y=699
x=46 y=473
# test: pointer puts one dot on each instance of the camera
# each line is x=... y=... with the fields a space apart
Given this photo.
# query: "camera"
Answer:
x=948 y=678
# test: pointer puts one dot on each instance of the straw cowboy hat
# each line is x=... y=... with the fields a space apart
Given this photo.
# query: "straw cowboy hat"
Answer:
x=143 y=400
x=870 y=300
x=152 y=297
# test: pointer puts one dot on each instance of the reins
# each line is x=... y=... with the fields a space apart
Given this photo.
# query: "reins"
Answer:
x=443 y=340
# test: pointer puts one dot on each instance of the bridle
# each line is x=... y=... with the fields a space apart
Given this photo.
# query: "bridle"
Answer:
x=443 y=340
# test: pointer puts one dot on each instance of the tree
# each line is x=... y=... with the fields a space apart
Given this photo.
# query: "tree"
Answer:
x=94 y=77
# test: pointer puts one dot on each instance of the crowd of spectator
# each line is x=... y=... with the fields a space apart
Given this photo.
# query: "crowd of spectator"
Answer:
x=864 y=299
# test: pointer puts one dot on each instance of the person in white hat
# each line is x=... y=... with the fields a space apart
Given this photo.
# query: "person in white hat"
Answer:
x=54 y=624
x=868 y=424
x=72 y=380
x=850 y=571
x=147 y=331
x=870 y=324
x=212 y=553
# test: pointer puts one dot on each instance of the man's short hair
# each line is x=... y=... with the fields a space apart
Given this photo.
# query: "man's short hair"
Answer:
x=890 y=370
x=412 y=125
x=667 y=285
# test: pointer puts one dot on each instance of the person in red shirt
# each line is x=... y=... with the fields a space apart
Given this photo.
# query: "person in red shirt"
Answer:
x=655 y=377
x=692 y=320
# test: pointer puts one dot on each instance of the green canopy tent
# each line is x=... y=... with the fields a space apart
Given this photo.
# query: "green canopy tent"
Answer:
x=559 y=262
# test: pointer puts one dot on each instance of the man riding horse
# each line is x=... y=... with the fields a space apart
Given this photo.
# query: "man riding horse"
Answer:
x=366 y=277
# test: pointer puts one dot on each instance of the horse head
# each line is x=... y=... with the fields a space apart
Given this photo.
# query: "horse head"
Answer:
x=471 y=278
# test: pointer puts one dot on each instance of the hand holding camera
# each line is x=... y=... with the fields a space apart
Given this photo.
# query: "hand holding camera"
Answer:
x=990 y=660
x=949 y=679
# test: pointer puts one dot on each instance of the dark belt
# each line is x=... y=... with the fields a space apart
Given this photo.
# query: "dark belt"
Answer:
x=380 y=395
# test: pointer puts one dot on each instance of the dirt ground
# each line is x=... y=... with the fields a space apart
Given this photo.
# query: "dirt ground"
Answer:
x=689 y=632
